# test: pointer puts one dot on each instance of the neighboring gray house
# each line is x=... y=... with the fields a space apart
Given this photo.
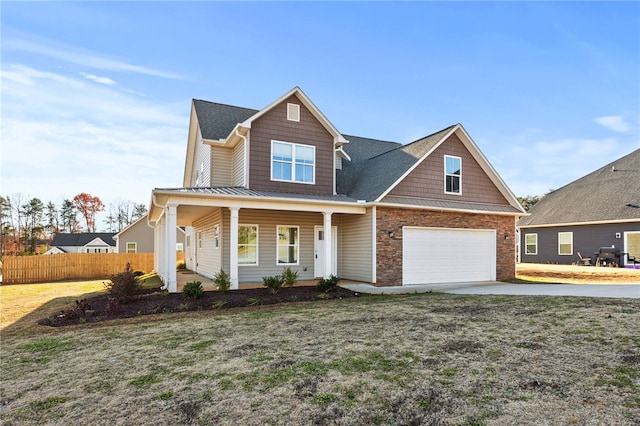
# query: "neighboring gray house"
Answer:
x=282 y=187
x=601 y=209
x=89 y=242
x=138 y=238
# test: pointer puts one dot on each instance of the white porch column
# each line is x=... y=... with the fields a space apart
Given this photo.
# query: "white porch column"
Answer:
x=170 y=248
x=233 y=248
x=328 y=246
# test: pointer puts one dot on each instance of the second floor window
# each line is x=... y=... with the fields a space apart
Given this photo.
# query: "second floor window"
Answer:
x=452 y=175
x=292 y=162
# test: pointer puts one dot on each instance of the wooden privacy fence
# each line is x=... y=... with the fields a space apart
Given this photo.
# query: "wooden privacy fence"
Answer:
x=70 y=266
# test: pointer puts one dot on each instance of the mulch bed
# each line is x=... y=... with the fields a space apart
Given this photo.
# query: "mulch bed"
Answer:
x=100 y=308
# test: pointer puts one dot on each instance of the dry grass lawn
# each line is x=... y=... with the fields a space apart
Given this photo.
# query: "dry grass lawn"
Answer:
x=429 y=359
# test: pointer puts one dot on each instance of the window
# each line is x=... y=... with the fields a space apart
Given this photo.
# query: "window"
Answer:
x=132 y=247
x=179 y=248
x=530 y=243
x=288 y=244
x=293 y=162
x=216 y=236
x=452 y=175
x=248 y=244
x=565 y=243
x=293 y=112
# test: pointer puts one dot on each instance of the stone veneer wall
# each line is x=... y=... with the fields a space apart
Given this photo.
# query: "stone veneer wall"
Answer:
x=389 y=250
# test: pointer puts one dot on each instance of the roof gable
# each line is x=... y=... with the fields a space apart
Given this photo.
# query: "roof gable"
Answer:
x=607 y=194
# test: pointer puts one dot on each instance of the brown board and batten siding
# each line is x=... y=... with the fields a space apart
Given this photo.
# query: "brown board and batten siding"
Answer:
x=427 y=180
x=308 y=131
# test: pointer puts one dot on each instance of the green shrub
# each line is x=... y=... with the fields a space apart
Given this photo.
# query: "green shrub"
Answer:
x=222 y=281
x=273 y=283
x=181 y=265
x=193 y=290
x=328 y=284
x=124 y=287
x=138 y=273
x=289 y=276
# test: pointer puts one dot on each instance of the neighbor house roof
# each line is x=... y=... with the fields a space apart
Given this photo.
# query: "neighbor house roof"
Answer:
x=611 y=193
x=80 y=240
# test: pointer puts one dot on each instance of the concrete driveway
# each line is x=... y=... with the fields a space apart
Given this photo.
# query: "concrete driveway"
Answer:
x=494 y=287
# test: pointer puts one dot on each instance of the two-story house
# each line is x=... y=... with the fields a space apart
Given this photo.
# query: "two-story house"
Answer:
x=281 y=186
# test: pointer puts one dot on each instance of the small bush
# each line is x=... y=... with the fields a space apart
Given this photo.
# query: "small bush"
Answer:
x=113 y=307
x=138 y=273
x=273 y=283
x=181 y=265
x=328 y=284
x=222 y=281
x=124 y=287
x=78 y=311
x=193 y=290
x=289 y=276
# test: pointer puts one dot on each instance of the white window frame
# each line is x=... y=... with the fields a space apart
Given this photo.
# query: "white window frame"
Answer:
x=179 y=248
x=526 y=245
x=446 y=175
x=135 y=247
x=216 y=236
x=257 y=245
x=296 y=245
x=570 y=243
x=293 y=112
x=293 y=162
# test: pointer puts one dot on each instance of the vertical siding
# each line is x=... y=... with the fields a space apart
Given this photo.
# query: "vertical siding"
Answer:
x=309 y=131
x=587 y=239
x=267 y=222
x=208 y=259
x=221 y=166
x=355 y=255
x=238 y=162
x=427 y=180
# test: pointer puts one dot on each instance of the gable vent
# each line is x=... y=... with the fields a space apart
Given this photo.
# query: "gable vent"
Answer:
x=293 y=112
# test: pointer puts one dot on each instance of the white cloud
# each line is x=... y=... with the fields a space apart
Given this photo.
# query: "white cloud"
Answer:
x=615 y=123
x=101 y=80
x=77 y=56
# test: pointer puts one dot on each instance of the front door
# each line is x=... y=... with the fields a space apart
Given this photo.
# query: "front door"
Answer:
x=318 y=264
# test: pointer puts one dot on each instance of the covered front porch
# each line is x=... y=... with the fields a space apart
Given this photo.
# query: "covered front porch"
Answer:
x=184 y=276
x=244 y=236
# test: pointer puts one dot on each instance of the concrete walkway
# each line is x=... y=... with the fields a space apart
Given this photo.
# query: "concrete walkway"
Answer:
x=494 y=287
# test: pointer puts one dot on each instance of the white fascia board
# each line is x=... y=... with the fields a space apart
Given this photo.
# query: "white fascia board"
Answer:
x=488 y=169
x=343 y=154
x=445 y=209
x=232 y=139
x=265 y=203
x=192 y=138
x=130 y=225
x=595 y=222
x=417 y=163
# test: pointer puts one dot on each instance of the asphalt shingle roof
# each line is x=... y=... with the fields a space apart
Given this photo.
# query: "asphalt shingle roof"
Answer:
x=79 y=240
x=218 y=120
x=610 y=193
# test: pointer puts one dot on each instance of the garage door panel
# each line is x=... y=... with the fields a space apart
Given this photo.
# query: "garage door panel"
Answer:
x=447 y=255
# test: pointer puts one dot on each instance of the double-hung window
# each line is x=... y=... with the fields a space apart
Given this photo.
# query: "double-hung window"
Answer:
x=248 y=244
x=530 y=243
x=132 y=247
x=452 y=175
x=292 y=162
x=565 y=243
x=288 y=245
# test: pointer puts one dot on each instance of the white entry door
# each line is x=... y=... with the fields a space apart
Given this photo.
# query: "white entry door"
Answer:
x=318 y=246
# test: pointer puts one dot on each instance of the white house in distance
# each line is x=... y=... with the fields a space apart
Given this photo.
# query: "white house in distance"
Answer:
x=88 y=242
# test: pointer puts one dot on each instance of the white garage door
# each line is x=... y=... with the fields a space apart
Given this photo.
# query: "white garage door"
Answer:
x=444 y=255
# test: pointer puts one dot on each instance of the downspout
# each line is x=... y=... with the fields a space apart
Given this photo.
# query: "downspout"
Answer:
x=153 y=201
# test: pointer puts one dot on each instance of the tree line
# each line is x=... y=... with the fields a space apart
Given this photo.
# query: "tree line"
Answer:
x=27 y=226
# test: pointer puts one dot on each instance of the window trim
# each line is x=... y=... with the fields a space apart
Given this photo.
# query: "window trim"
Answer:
x=257 y=244
x=216 y=236
x=135 y=247
x=535 y=245
x=570 y=244
x=296 y=245
x=293 y=162
x=459 y=176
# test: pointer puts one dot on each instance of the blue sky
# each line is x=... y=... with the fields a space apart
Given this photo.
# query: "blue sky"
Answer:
x=96 y=96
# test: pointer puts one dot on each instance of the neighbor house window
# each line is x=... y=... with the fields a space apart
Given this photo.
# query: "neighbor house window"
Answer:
x=248 y=244
x=132 y=247
x=179 y=248
x=292 y=162
x=530 y=243
x=288 y=245
x=565 y=243
x=452 y=175
x=216 y=236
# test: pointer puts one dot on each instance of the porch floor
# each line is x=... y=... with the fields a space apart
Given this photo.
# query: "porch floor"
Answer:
x=184 y=276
